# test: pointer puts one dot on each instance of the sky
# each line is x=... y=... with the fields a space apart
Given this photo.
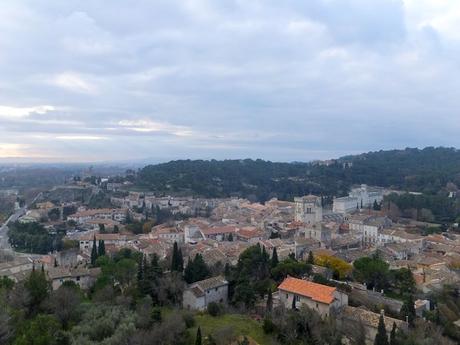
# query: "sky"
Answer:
x=113 y=80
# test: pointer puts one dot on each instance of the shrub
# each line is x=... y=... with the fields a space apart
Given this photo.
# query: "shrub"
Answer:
x=215 y=309
x=189 y=319
x=268 y=326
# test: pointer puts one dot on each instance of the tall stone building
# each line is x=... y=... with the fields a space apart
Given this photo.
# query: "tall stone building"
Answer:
x=308 y=209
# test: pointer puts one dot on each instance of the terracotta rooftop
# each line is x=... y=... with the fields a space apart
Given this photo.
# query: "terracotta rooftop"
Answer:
x=317 y=292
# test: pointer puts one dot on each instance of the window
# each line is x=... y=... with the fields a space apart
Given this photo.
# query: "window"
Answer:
x=297 y=298
x=78 y=278
x=217 y=289
x=309 y=210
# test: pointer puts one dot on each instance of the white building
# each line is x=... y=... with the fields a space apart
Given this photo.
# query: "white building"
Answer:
x=308 y=209
x=325 y=300
x=359 y=197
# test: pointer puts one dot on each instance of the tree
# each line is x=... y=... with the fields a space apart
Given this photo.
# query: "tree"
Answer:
x=381 y=336
x=101 y=228
x=38 y=289
x=198 y=337
x=376 y=206
x=177 y=262
x=43 y=329
x=64 y=303
x=269 y=301
x=196 y=269
x=408 y=310
x=274 y=261
x=311 y=258
x=393 y=340
x=101 y=248
x=116 y=230
x=230 y=237
x=94 y=252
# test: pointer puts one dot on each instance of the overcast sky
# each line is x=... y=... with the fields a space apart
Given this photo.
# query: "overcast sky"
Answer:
x=280 y=80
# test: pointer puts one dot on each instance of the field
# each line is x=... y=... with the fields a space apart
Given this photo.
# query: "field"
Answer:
x=241 y=325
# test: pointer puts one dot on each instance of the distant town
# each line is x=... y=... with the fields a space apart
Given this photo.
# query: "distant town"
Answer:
x=352 y=259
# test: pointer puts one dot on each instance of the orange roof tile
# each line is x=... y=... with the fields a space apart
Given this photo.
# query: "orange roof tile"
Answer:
x=317 y=292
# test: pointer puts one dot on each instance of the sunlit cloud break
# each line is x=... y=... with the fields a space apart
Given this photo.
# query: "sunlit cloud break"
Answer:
x=21 y=112
x=153 y=126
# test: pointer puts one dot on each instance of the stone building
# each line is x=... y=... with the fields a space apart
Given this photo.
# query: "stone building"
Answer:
x=308 y=209
x=198 y=295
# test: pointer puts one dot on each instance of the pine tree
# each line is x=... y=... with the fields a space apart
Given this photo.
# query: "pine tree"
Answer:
x=94 y=252
x=198 y=337
x=311 y=258
x=393 y=335
x=101 y=248
x=381 y=336
x=274 y=261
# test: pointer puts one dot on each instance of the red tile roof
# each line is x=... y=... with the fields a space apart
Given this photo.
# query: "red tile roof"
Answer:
x=317 y=292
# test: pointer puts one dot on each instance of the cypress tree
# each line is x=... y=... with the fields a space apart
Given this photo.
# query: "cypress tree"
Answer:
x=269 y=301
x=393 y=335
x=180 y=261
x=408 y=310
x=275 y=260
x=381 y=336
x=198 y=337
x=311 y=258
x=101 y=248
x=94 y=252
x=175 y=258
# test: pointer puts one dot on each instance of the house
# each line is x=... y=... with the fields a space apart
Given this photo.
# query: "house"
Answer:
x=250 y=234
x=82 y=276
x=352 y=317
x=85 y=216
x=220 y=233
x=326 y=300
x=198 y=295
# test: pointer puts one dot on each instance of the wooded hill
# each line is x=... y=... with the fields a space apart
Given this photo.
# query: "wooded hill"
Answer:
x=426 y=170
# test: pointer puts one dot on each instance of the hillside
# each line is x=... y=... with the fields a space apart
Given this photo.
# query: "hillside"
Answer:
x=427 y=170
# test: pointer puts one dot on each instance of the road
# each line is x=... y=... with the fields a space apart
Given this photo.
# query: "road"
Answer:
x=4 y=244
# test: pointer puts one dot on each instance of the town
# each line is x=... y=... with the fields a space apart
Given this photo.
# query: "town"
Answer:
x=355 y=261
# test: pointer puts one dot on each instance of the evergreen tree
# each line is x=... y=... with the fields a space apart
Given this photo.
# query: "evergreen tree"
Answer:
x=94 y=252
x=269 y=301
x=376 y=206
x=381 y=336
x=196 y=270
x=393 y=340
x=180 y=266
x=175 y=258
x=198 y=337
x=101 y=248
x=274 y=261
x=38 y=288
x=311 y=258
x=408 y=310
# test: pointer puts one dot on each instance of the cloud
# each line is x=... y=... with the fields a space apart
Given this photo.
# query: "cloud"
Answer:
x=285 y=80
x=19 y=112
x=153 y=126
x=74 y=82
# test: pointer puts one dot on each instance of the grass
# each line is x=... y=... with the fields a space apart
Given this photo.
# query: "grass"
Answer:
x=242 y=325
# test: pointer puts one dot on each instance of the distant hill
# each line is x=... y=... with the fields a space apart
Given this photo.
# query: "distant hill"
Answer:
x=426 y=170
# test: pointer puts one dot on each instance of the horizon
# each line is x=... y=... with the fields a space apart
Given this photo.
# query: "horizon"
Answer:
x=198 y=79
x=153 y=161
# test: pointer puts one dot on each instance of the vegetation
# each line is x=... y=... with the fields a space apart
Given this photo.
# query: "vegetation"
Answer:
x=33 y=238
